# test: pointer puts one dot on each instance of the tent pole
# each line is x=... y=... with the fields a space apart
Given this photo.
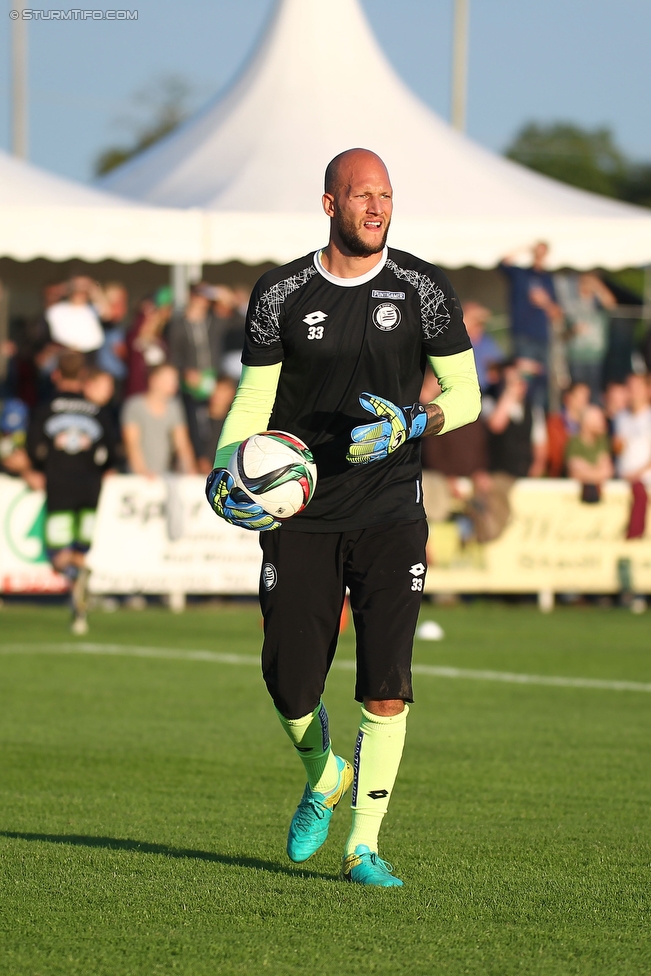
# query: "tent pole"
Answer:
x=459 y=65
x=4 y=331
x=19 y=80
x=179 y=283
x=181 y=277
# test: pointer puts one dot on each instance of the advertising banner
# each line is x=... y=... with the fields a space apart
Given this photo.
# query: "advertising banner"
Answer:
x=160 y=536
x=24 y=567
x=552 y=542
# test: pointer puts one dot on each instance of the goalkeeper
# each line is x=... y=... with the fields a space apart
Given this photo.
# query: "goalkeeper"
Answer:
x=335 y=351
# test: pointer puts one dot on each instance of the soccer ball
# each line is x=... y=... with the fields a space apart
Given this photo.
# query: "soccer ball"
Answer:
x=276 y=470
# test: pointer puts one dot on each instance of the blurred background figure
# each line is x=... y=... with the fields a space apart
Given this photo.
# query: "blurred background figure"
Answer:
x=145 y=343
x=196 y=339
x=14 y=459
x=71 y=441
x=486 y=350
x=154 y=429
x=517 y=442
x=228 y=312
x=632 y=444
x=74 y=322
x=450 y=461
x=534 y=310
x=563 y=425
x=206 y=341
x=98 y=386
x=112 y=356
x=586 y=302
x=587 y=454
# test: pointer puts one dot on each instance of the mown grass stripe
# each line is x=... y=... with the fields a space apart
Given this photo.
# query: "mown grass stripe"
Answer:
x=342 y=664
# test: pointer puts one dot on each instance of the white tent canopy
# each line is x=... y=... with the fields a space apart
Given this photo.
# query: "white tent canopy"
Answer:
x=46 y=216
x=318 y=83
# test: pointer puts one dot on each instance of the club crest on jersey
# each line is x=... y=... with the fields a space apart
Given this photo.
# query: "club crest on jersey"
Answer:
x=387 y=317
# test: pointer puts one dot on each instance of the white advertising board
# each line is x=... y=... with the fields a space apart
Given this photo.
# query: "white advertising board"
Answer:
x=160 y=536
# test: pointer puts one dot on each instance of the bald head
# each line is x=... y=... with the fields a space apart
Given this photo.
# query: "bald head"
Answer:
x=358 y=199
x=342 y=170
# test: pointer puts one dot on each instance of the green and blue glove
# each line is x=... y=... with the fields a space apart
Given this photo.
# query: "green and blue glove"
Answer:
x=233 y=505
x=392 y=427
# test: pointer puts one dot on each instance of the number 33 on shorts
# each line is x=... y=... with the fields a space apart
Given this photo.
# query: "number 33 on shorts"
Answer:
x=417 y=571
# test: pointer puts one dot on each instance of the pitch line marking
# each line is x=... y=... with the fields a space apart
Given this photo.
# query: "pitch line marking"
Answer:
x=434 y=671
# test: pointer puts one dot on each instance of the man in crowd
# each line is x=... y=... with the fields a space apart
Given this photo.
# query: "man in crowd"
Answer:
x=14 y=459
x=74 y=323
x=71 y=441
x=331 y=338
x=517 y=442
x=563 y=425
x=487 y=352
x=533 y=310
x=588 y=454
x=196 y=342
x=154 y=429
x=111 y=357
x=632 y=444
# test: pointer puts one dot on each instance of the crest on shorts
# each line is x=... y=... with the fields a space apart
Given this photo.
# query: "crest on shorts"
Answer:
x=269 y=576
x=387 y=317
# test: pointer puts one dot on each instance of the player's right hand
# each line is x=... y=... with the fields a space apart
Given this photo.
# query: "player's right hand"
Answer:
x=233 y=505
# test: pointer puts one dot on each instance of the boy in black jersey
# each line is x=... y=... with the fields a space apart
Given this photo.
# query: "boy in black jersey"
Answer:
x=335 y=351
x=72 y=441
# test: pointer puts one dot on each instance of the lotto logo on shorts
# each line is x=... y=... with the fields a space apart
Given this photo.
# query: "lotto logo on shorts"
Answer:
x=387 y=317
x=417 y=572
x=269 y=576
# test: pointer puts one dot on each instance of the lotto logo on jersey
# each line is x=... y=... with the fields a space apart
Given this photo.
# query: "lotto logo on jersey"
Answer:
x=313 y=318
x=387 y=317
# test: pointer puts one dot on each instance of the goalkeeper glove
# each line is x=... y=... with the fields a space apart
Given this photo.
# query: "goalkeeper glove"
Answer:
x=234 y=505
x=392 y=427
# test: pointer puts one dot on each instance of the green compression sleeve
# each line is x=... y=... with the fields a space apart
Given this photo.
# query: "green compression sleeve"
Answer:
x=460 y=399
x=250 y=410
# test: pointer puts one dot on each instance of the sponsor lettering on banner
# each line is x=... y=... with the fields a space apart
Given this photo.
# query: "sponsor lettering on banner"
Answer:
x=161 y=536
x=552 y=542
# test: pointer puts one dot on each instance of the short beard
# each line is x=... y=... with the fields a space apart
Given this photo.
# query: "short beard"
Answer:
x=355 y=244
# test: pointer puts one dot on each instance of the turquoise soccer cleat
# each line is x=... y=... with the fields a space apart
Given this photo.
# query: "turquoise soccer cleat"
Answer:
x=311 y=822
x=367 y=868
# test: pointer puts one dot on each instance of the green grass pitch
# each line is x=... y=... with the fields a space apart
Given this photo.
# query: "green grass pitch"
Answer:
x=145 y=804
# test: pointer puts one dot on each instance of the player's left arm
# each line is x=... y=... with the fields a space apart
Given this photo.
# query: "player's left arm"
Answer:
x=459 y=402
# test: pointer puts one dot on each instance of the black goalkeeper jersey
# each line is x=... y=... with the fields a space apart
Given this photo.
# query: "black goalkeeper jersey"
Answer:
x=337 y=338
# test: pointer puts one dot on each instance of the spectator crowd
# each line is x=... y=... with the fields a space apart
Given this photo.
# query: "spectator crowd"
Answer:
x=90 y=389
x=165 y=377
x=560 y=397
x=563 y=400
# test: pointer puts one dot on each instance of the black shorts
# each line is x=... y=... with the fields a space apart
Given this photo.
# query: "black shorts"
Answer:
x=302 y=589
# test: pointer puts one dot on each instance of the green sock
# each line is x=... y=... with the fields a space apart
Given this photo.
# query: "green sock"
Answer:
x=378 y=752
x=311 y=738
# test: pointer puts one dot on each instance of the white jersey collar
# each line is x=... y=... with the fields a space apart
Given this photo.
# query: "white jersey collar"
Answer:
x=350 y=282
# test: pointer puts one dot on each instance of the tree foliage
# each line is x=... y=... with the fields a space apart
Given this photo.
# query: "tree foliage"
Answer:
x=586 y=158
x=156 y=111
